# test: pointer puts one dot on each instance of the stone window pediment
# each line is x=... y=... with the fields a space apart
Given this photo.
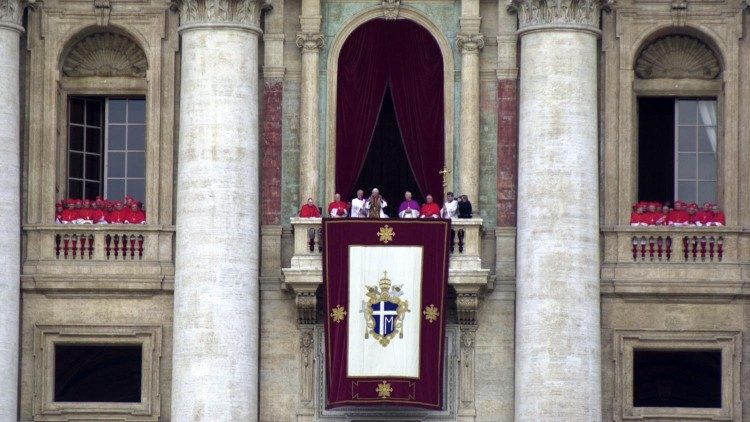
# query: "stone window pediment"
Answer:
x=677 y=57
x=105 y=54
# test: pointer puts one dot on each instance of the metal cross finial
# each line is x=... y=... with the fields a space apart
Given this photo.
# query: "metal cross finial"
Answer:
x=444 y=172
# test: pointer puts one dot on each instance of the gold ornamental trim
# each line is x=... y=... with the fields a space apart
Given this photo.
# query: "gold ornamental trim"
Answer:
x=338 y=314
x=384 y=390
x=431 y=313
x=386 y=234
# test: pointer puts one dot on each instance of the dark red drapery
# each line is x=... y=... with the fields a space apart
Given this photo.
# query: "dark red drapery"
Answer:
x=403 y=54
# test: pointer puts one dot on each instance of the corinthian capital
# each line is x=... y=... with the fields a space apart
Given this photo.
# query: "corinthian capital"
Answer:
x=470 y=43
x=582 y=13
x=309 y=42
x=11 y=11
x=243 y=12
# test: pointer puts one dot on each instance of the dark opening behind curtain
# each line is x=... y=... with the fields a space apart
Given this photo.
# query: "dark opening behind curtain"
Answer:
x=403 y=54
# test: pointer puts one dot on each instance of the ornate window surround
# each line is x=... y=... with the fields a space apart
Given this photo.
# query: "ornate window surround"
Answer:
x=623 y=42
x=45 y=338
x=730 y=344
x=404 y=12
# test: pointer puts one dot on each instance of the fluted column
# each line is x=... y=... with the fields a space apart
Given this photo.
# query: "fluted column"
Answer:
x=558 y=356
x=310 y=40
x=10 y=206
x=470 y=41
x=215 y=358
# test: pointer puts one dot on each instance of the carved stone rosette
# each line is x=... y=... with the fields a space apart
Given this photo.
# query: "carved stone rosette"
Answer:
x=309 y=42
x=470 y=43
x=241 y=12
x=568 y=13
x=11 y=11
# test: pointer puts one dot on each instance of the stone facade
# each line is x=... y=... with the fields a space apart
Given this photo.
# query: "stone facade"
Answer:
x=548 y=299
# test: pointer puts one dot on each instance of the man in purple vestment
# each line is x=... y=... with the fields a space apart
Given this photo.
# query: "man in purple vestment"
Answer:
x=409 y=208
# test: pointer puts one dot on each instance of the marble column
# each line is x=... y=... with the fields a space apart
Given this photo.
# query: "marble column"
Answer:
x=10 y=206
x=558 y=349
x=216 y=304
x=310 y=40
x=470 y=41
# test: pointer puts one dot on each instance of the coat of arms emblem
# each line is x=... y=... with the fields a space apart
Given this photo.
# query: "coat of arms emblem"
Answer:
x=384 y=311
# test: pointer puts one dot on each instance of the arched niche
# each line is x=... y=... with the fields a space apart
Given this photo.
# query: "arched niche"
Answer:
x=104 y=54
x=677 y=57
x=332 y=71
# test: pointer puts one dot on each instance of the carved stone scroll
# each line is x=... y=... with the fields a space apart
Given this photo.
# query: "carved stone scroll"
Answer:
x=105 y=54
x=11 y=11
x=583 y=13
x=244 y=12
x=677 y=57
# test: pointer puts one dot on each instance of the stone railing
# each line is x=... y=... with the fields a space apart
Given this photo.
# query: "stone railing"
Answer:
x=688 y=244
x=466 y=274
x=86 y=253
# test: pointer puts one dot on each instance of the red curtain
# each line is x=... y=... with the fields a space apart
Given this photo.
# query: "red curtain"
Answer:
x=406 y=56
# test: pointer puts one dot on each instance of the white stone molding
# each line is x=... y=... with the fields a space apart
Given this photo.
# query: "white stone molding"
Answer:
x=241 y=12
x=390 y=9
x=550 y=13
x=728 y=342
x=677 y=57
x=45 y=338
x=470 y=43
x=106 y=54
x=309 y=42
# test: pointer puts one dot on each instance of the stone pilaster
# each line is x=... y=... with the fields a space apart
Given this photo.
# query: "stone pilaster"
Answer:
x=310 y=41
x=10 y=205
x=558 y=308
x=215 y=361
x=470 y=41
x=507 y=118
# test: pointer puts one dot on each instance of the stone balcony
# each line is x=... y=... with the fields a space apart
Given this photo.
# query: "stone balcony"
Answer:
x=686 y=260
x=108 y=257
x=465 y=274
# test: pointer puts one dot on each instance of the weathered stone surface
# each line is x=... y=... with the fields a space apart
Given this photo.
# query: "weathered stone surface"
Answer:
x=273 y=90
x=507 y=151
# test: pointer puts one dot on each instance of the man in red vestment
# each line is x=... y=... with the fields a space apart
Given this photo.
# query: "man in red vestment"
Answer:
x=678 y=216
x=429 y=209
x=704 y=216
x=718 y=219
x=309 y=210
x=692 y=210
x=86 y=213
x=636 y=217
x=58 y=212
x=69 y=215
x=135 y=215
x=338 y=208
x=117 y=216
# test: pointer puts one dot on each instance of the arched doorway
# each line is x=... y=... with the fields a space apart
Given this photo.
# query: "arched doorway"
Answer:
x=390 y=111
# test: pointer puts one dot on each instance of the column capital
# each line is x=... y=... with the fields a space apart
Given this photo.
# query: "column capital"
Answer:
x=222 y=12
x=309 y=42
x=470 y=43
x=534 y=14
x=11 y=11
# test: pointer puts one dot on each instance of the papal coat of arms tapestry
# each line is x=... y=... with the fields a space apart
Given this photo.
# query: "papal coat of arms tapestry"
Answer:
x=385 y=285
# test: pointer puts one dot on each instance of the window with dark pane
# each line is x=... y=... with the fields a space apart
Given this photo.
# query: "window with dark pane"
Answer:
x=126 y=148
x=85 y=161
x=677 y=149
x=677 y=378
x=98 y=373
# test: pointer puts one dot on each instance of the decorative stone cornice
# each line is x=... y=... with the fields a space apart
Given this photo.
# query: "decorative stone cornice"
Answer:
x=240 y=12
x=563 y=13
x=470 y=43
x=309 y=42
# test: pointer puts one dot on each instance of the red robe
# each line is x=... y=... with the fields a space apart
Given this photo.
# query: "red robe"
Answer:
x=98 y=216
x=719 y=218
x=651 y=218
x=308 y=211
x=69 y=216
x=135 y=217
x=430 y=210
x=636 y=218
x=340 y=206
x=703 y=217
x=86 y=214
x=117 y=216
x=678 y=217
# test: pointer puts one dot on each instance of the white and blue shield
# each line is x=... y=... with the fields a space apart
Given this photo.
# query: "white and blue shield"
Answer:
x=385 y=314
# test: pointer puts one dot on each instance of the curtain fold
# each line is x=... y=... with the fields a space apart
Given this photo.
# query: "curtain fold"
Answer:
x=403 y=54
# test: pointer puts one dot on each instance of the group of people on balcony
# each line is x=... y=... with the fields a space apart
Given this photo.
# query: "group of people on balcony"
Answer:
x=374 y=207
x=683 y=214
x=99 y=211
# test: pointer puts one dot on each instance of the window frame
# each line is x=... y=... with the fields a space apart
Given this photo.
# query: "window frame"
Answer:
x=728 y=342
x=695 y=153
x=47 y=336
x=106 y=149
